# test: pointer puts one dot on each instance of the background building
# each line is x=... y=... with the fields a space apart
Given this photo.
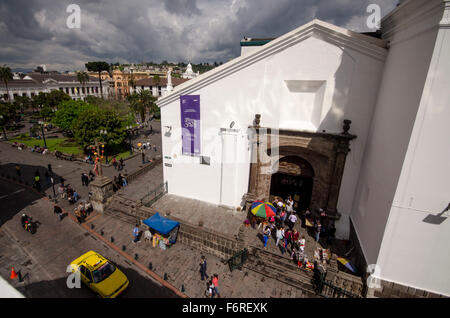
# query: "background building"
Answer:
x=32 y=84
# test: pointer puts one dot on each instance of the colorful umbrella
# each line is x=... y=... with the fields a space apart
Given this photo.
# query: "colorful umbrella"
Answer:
x=263 y=209
x=346 y=263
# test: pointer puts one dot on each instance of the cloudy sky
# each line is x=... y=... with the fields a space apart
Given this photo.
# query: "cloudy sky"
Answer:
x=35 y=32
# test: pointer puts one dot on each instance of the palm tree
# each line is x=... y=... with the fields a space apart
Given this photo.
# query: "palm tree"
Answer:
x=6 y=76
x=98 y=67
x=83 y=78
x=141 y=102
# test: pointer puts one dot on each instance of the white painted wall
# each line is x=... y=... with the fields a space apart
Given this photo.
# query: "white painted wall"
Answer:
x=348 y=85
x=398 y=100
x=414 y=252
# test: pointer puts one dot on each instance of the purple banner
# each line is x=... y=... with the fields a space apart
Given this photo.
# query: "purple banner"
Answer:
x=190 y=124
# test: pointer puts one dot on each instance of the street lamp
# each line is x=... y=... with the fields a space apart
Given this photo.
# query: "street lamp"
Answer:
x=43 y=134
x=129 y=138
x=104 y=132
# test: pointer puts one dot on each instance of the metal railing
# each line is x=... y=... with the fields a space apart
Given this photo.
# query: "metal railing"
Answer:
x=238 y=260
x=325 y=288
x=154 y=195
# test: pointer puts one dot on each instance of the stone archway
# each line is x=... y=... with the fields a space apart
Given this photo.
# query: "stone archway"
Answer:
x=325 y=152
x=294 y=177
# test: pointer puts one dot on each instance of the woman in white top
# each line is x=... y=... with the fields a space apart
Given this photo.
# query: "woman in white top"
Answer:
x=280 y=235
x=289 y=204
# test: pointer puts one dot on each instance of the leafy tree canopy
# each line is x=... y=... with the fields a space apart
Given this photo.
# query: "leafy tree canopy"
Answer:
x=92 y=120
x=68 y=113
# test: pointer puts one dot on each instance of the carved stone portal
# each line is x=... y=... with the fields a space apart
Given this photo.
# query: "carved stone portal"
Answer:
x=319 y=156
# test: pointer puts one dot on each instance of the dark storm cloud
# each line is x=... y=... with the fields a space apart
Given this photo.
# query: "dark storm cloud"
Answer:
x=186 y=7
x=35 y=32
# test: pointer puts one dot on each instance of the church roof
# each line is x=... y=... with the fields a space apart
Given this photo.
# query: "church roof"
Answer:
x=372 y=46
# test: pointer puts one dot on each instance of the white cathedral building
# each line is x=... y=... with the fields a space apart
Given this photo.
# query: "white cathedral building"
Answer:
x=189 y=73
x=271 y=122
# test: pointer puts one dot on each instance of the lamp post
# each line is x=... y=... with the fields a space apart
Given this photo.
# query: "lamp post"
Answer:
x=104 y=133
x=129 y=138
x=43 y=133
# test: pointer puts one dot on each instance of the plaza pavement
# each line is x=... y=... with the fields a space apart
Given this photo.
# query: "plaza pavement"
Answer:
x=56 y=244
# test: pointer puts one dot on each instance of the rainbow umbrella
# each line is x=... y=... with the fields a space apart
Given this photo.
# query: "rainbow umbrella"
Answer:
x=346 y=263
x=263 y=209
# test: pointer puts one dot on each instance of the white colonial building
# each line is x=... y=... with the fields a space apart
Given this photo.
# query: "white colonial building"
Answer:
x=347 y=122
x=32 y=84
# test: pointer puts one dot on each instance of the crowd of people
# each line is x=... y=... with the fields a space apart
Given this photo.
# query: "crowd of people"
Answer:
x=119 y=182
x=281 y=228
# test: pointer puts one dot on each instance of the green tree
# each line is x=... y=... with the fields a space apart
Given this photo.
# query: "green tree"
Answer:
x=23 y=103
x=55 y=97
x=91 y=121
x=98 y=67
x=83 y=78
x=6 y=76
x=7 y=115
x=68 y=113
x=141 y=102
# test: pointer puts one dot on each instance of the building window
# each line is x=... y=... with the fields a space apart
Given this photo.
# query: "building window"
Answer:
x=73 y=90
x=61 y=89
x=67 y=90
x=159 y=90
x=24 y=94
x=32 y=94
x=96 y=89
x=82 y=89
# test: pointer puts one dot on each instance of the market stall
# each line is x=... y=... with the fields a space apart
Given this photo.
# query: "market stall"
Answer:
x=164 y=231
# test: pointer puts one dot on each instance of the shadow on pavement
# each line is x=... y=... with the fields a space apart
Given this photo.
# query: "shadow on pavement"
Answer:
x=14 y=197
x=139 y=287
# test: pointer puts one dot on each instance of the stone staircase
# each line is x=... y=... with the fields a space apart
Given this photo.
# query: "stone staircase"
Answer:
x=262 y=261
x=281 y=268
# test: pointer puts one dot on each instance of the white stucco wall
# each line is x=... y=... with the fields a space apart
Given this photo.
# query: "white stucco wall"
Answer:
x=378 y=216
x=341 y=85
x=414 y=251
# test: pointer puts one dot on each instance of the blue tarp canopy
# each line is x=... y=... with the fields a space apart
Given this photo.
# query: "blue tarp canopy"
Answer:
x=161 y=224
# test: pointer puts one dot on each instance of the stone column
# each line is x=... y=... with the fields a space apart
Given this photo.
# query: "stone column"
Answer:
x=101 y=189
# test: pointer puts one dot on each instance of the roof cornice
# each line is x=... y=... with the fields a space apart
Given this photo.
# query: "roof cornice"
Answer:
x=364 y=44
x=407 y=14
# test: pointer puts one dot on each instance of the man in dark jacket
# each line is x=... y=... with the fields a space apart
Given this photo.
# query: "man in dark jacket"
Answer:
x=203 y=268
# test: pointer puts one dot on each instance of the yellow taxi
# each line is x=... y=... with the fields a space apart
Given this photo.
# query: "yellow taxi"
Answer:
x=100 y=275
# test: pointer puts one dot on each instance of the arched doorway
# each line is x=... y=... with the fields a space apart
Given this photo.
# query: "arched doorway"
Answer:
x=295 y=177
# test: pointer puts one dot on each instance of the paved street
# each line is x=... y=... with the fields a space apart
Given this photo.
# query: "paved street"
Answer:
x=42 y=258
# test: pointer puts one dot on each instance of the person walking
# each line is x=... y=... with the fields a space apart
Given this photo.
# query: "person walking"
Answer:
x=292 y=220
x=78 y=215
x=215 y=282
x=18 y=170
x=83 y=179
x=58 y=211
x=49 y=168
x=289 y=205
x=37 y=182
x=279 y=235
x=317 y=230
x=266 y=235
x=203 y=268
x=114 y=163
x=136 y=234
